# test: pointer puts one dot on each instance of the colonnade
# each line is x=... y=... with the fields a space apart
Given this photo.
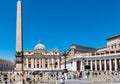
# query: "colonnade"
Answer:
x=104 y=64
x=107 y=64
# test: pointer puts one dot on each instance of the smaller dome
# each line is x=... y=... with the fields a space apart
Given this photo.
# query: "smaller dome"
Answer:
x=39 y=46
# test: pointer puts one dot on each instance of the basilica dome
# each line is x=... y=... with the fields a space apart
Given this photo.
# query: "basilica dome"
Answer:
x=39 y=46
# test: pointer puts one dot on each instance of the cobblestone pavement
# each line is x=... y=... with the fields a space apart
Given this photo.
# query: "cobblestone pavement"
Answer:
x=83 y=82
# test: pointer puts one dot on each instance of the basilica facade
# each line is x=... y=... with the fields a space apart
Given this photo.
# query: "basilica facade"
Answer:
x=106 y=58
x=41 y=59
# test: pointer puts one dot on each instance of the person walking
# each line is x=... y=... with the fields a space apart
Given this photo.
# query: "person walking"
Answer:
x=78 y=74
x=62 y=78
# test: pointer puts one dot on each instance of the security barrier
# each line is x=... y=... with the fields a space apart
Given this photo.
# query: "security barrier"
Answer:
x=27 y=79
x=104 y=77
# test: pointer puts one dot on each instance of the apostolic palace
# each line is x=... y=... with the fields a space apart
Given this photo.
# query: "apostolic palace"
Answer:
x=106 y=58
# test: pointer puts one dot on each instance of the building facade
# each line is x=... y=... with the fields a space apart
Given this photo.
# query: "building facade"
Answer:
x=6 y=65
x=106 y=58
x=41 y=59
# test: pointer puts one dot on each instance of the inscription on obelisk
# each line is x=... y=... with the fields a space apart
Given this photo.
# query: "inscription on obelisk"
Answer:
x=19 y=44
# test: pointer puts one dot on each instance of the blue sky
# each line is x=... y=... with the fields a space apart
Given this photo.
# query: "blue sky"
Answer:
x=59 y=23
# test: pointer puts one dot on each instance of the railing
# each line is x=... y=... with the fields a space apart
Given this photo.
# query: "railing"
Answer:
x=111 y=54
x=88 y=56
x=27 y=79
x=104 y=77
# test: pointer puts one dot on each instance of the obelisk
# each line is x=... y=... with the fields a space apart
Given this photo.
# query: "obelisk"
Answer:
x=19 y=43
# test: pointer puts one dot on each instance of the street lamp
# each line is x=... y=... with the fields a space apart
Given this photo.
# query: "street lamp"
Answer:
x=65 y=54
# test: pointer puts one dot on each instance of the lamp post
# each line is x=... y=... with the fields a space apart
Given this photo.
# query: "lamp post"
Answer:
x=65 y=69
x=64 y=54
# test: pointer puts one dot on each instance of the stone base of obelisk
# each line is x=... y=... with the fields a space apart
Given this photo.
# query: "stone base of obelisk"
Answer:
x=18 y=67
x=19 y=63
x=18 y=71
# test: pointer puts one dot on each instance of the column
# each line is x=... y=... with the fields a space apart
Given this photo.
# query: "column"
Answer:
x=70 y=66
x=32 y=62
x=27 y=63
x=81 y=65
x=91 y=65
x=95 y=65
x=35 y=62
x=74 y=65
x=87 y=62
x=105 y=64
x=52 y=63
x=43 y=63
x=58 y=63
x=100 y=65
x=39 y=62
x=116 y=64
x=48 y=63
x=110 y=65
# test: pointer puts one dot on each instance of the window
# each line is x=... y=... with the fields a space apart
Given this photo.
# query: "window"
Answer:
x=56 y=64
x=115 y=45
x=46 y=65
x=29 y=65
x=29 y=60
x=112 y=46
x=55 y=52
x=119 y=45
x=37 y=65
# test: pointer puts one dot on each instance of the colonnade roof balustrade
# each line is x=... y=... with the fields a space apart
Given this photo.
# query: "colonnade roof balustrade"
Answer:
x=81 y=56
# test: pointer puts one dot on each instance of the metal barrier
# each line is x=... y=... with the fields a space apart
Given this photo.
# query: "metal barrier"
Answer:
x=27 y=79
x=104 y=77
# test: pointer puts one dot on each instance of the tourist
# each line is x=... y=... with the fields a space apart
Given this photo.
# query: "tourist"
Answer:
x=81 y=74
x=22 y=74
x=62 y=78
x=78 y=74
